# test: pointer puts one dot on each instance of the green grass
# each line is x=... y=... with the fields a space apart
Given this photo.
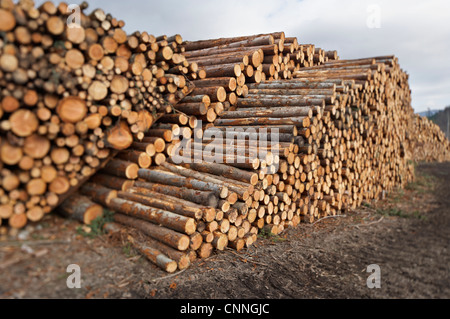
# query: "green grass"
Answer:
x=128 y=250
x=271 y=236
x=397 y=196
x=395 y=212
x=423 y=183
x=418 y=215
x=366 y=204
x=35 y=236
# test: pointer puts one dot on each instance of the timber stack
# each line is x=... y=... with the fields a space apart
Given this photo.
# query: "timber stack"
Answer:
x=236 y=202
x=71 y=97
x=426 y=141
x=228 y=65
x=330 y=138
x=198 y=145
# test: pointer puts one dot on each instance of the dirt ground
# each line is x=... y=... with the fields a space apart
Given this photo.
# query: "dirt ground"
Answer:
x=407 y=235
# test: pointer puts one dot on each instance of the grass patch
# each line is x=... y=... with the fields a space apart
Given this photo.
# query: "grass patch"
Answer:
x=397 y=195
x=396 y=212
x=36 y=236
x=418 y=215
x=423 y=183
x=96 y=227
x=271 y=236
x=366 y=204
x=128 y=250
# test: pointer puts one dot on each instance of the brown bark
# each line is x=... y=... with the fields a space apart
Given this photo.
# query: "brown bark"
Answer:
x=169 y=237
x=80 y=208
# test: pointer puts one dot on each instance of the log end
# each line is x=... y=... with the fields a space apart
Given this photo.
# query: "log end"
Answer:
x=165 y=263
x=190 y=226
x=220 y=241
x=92 y=213
x=209 y=214
x=18 y=220
x=205 y=250
x=184 y=262
x=196 y=241
x=183 y=243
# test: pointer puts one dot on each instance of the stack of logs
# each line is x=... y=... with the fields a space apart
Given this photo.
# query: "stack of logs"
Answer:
x=426 y=141
x=301 y=149
x=73 y=94
x=239 y=202
x=228 y=65
x=309 y=135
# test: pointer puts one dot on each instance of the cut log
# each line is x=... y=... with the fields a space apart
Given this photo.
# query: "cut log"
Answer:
x=80 y=208
x=72 y=109
x=162 y=234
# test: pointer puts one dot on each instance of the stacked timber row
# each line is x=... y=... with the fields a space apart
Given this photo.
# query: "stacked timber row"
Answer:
x=228 y=65
x=370 y=124
x=340 y=126
x=326 y=134
x=247 y=194
x=70 y=96
x=426 y=141
x=342 y=133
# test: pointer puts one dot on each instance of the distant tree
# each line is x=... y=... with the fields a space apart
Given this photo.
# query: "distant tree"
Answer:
x=442 y=119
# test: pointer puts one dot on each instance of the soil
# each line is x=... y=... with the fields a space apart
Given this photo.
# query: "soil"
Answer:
x=407 y=235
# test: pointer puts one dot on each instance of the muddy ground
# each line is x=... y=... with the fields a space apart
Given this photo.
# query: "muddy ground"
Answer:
x=407 y=235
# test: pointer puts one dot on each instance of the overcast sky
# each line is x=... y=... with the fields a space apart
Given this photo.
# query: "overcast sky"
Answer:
x=417 y=32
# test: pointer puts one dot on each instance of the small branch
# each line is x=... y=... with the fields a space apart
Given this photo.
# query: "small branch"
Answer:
x=372 y=223
x=169 y=276
x=335 y=216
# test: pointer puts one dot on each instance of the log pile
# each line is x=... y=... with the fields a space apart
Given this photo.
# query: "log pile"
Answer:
x=426 y=142
x=342 y=134
x=70 y=96
x=228 y=65
x=308 y=135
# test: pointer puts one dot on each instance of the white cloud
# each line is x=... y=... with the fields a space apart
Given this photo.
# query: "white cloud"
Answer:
x=417 y=32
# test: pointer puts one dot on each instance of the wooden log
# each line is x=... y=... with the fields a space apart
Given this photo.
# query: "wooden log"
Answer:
x=277 y=101
x=98 y=193
x=229 y=83
x=228 y=42
x=205 y=250
x=241 y=191
x=168 y=219
x=197 y=109
x=302 y=121
x=269 y=112
x=154 y=199
x=220 y=241
x=17 y=220
x=141 y=158
x=72 y=109
x=163 y=177
x=122 y=168
x=223 y=70
x=120 y=137
x=216 y=93
x=23 y=122
x=80 y=208
x=205 y=198
x=179 y=257
x=8 y=21
x=154 y=255
x=162 y=234
x=226 y=171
